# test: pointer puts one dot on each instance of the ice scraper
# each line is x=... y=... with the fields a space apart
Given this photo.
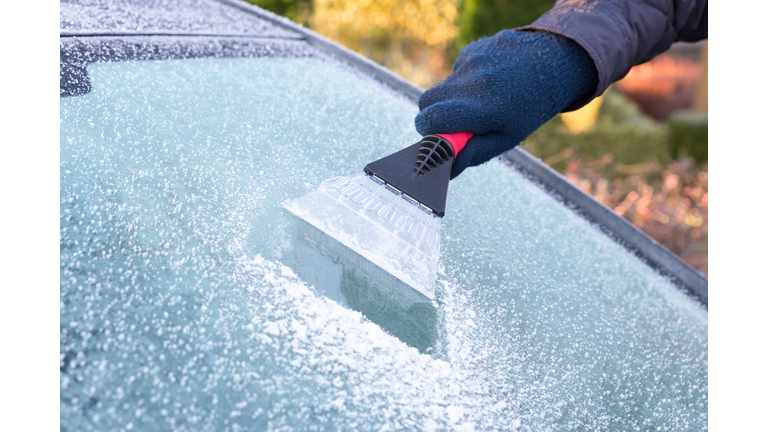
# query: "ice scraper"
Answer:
x=390 y=212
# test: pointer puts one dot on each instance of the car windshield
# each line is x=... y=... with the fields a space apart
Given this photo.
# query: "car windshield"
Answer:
x=192 y=300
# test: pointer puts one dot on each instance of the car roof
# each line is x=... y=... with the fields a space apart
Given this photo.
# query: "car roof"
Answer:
x=164 y=17
x=235 y=20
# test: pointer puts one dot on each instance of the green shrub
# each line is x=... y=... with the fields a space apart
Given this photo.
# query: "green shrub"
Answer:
x=689 y=135
x=295 y=10
x=620 y=130
x=480 y=18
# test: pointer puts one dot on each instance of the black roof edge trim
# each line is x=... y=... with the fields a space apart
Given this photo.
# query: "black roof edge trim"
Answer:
x=397 y=83
x=76 y=53
x=641 y=244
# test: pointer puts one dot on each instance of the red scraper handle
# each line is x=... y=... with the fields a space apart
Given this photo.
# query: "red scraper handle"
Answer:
x=458 y=140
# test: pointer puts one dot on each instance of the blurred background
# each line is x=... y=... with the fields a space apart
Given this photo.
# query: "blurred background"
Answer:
x=641 y=148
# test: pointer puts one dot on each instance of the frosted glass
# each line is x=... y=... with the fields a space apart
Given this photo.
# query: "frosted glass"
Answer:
x=198 y=17
x=191 y=300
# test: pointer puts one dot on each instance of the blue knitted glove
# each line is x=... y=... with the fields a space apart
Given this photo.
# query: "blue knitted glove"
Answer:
x=503 y=88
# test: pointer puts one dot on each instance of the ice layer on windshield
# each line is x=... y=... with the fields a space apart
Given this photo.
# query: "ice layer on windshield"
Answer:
x=187 y=304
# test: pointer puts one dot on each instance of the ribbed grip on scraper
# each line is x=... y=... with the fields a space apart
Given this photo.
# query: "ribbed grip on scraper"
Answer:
x=434 y=151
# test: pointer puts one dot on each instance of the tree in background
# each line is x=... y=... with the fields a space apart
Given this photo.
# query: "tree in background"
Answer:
x=299 y=11
x=411 y=38
x=480 y=18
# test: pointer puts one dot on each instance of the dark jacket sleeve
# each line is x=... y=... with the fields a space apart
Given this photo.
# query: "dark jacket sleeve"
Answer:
x=619 y=34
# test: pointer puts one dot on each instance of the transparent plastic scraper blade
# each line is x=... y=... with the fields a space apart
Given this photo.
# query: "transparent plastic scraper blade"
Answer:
x=378 y=222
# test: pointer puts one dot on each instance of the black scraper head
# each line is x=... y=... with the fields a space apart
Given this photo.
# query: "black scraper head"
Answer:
x=421 y=171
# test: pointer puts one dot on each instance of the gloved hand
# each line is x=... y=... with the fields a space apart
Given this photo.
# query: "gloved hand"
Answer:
x=503 y=88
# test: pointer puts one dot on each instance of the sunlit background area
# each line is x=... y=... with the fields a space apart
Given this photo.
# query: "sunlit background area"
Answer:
x=640 y=149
